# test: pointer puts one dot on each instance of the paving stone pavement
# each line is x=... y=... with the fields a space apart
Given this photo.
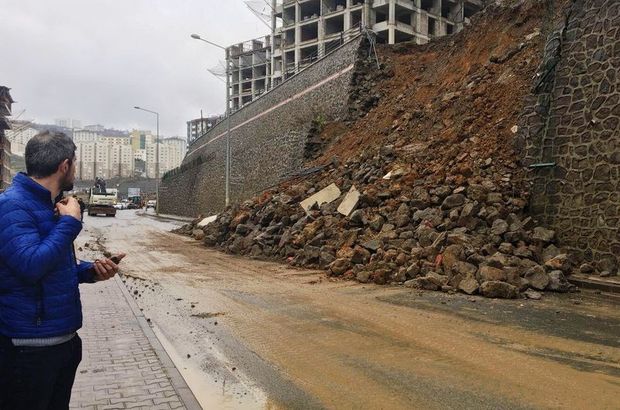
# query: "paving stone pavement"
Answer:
x=124 y=366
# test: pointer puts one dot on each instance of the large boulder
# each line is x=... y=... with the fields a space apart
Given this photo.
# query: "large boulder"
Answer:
x=372 y=245
x=489 y=273
x=560 y=262
x=363 y=276
x=558 y=282
x=426 y=235
x=198 y=234
x=433 y=216
x=376 y=223
x=421 y=199
x=464 y=268
x=608 y=264
x=339 y=266
x=357 y=218
x=469 y=285
x=360 y=255
x=499 y=227
x=432 y=281
x=550 y=252
x=453 y=201
x=497 y=289
x=536 y=277
x=451 y=255
x=243 y=229
x=543 y=235
x=312 y=253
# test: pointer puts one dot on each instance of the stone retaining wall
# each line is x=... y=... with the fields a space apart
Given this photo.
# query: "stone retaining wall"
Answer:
x=268 y=138
x=571 y=133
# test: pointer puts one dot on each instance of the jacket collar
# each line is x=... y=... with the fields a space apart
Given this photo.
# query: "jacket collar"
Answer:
x=23 y=181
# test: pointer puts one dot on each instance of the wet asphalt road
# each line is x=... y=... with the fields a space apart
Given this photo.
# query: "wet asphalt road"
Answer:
x=251 y=334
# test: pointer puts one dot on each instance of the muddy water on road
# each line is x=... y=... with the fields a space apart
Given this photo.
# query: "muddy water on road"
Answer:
x=276 y=337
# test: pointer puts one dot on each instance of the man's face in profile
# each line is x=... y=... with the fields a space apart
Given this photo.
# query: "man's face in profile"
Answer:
x=69 y=177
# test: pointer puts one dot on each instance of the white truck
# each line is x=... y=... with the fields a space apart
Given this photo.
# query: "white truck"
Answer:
x=102 y=201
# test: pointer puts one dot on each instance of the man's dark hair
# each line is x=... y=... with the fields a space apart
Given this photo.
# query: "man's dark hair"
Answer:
x=46 y=151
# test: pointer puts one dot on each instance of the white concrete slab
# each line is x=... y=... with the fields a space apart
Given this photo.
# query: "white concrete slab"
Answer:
x=349 y=203
x=325 y=195
x=207 y=221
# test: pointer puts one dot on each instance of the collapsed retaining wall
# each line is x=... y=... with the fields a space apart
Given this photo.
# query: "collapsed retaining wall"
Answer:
x=571 y=133
x=268 y=138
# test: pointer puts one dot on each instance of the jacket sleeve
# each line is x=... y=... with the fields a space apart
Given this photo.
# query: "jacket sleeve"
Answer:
x=24 y=251
x=85 y=272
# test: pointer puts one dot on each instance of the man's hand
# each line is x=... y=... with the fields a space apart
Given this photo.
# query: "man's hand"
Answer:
x=106 y=268
x=70 y=207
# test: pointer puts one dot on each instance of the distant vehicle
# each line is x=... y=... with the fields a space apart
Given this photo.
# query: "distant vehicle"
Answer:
x=101 y=200
x=124 y=204
x=151 y=203
x=135 y=202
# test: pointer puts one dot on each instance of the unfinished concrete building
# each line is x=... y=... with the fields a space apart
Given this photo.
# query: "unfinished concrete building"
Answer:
x=5 y=147
x=249 y=70
x=305 y=30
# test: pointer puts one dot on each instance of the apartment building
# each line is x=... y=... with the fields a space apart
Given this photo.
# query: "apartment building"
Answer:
x=95 y=127
x=68 y=123
x=139 y=139
x=81 y=136
x=303 y=31
x=171 y=153
x=122 y=162
x=103 y=159
x=197 y=127
x=93 y=160
x=116 y=139
x=179 y=144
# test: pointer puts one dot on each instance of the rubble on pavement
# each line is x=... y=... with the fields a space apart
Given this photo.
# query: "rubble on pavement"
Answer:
x=473 y=237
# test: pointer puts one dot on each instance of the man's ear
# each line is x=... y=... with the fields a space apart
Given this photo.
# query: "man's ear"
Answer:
x=64 y=166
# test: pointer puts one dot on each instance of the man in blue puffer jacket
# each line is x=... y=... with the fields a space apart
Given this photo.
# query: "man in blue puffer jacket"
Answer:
x=40 y=308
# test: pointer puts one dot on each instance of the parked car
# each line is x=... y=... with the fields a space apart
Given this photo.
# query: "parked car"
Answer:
x=124 y=204
x=151 y=203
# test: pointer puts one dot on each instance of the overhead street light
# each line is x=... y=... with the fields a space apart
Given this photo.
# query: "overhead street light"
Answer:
x=228 y=159
x=197 y=37
x=156 y=158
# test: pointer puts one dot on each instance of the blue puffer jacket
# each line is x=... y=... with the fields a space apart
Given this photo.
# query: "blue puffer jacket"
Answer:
x=39 y=275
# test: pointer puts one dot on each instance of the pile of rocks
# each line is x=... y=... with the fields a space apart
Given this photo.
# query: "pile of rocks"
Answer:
x=473 y=237
x=423 y=188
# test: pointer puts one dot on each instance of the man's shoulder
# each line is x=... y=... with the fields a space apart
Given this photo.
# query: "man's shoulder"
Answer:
x=9 y=196
x=13 y=199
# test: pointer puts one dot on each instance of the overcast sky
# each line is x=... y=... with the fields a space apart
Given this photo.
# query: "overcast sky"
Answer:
x=93 y=60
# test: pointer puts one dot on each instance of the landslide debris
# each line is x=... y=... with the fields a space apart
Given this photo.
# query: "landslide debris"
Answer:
x=442 y=200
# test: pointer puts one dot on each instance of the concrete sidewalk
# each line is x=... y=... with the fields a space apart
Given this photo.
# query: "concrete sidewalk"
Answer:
x=169 y=217
x=124 y=366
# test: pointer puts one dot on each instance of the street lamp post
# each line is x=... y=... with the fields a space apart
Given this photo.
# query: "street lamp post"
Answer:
x=228 y=159
x=156 y=158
